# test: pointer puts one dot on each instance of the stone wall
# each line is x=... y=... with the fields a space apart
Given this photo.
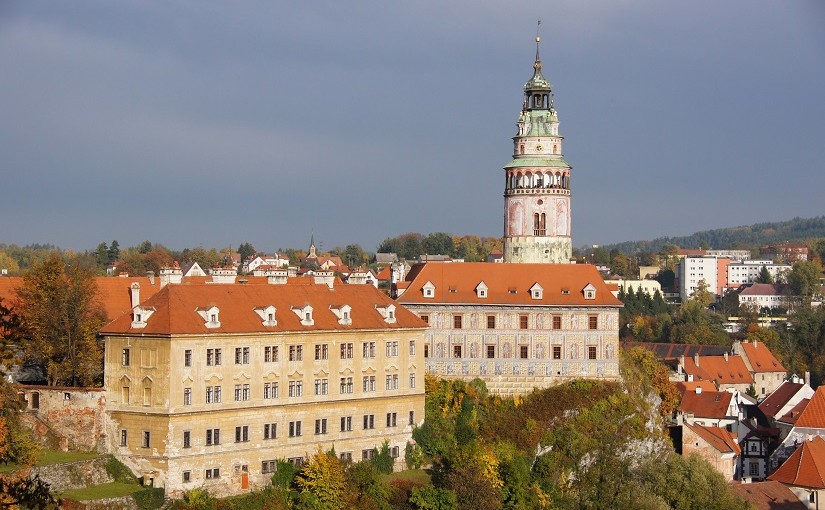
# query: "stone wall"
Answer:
x=77 y=416
x=74 y=475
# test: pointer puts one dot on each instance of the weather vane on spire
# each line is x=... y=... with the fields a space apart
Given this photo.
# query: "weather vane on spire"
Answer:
x=538 y=25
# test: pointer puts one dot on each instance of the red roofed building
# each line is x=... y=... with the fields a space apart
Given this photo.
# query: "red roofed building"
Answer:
x=714 y=444
x=768 y=373
x=516 y=326
x=711 y=408
x=809 y=423
x=208 y=385
x=768 y=495
x=804 y=472
x=784 y=399
x=726 y=371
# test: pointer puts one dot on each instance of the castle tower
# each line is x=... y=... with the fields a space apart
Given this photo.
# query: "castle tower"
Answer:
x=537 y=225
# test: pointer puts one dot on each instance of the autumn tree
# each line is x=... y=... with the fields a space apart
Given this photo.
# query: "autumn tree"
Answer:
x=16 y=442
x=321 y=483
x=60 y=316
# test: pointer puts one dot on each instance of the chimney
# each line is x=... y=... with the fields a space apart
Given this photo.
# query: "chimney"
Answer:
x=135 y=293
x=151 y=276
x=698 y=390
x=726 y=357
x=807 y=378
x=755 y=343
x=690 y=378
x=696 y=359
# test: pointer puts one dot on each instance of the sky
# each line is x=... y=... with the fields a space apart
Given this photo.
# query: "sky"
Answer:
x=207 y=123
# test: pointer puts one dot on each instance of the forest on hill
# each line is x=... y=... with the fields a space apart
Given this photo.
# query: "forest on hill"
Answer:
x=741 y=237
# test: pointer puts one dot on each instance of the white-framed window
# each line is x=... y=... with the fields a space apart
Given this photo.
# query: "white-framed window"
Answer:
x=392 y=382
x=369 y=383
x=270 y=430
x=392 y=419
x=320 y=426
x=187 y=396
x=369 y=421
x=321 y=386
x=321 y=352
x=270 y=390
x=368 y=349
x=270 y=354
x=242 y=433
x=346 y=351
x=213 y=437
x=294 y=429
x=296 y=353
x=296 y=388
x=346 y=423
x=346 y=385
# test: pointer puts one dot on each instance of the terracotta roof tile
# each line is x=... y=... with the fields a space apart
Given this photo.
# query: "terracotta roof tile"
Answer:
x=719 y=438
x=175 y=308
x=792 y=416
x=779 y=398
x=768 y=495
x=805 y=467
x=719 y=370
x=708 y=404
x=562 y=284
x=690 y=386
x=761 y=357
x=814 y=414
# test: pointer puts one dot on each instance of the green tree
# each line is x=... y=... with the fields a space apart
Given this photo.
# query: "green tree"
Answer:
x=764 y=276
x=102 y=256
x=60 y=316
x=438 y=243
x=114 y=252
x=702 y=294
x=321 y=483
x=355 y=256
x=16 y=442
x=383 y=460
x=8 y=263
x=804 y=278
x=145 y=247
x=429 y=497
x=246 y=251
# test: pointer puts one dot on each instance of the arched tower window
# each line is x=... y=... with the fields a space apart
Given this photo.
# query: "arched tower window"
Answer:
x=555 y=149
x=521 y=149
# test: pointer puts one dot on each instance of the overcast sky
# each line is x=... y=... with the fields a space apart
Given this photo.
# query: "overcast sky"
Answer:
x=206 y=123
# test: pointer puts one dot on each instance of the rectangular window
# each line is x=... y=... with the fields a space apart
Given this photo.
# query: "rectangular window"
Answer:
x=753 y=469
x=346 y=456
x=320 y=426
x=346 y=423
x=296 y=353
x=456 y=351
x=457 y=321
x=187 y=439
x=523 y=351
x=491 y=351
x=147 y=438
x=369 y=383
x=392 y=382
x=346 y=385
x=321 y=352
x=368 y=349
x=187 y=476
x=523 y=321
x=213 y=357
x=270 y=390
x=241 y=355
x=425 y=318
x=392 y=419
x=412 y=418
x=557 y=322
x=369 y=421
x=394 y=452
x=270 y=354
x=213 y=473
x=591 y=352
x=346 y=351
x=187 y=396
x=242 y=434
x=125 y=357
x=491 y=322
x=270 y=430
x=367 y=454
x=426 y=351
x=392 y=349
x=124 y=394
x=268 y=466
x=556 y=352
x=294 y=429
x=123 y=437
x=593 y=321
x=412 y=347
x=187 y=358
x=412 y=381
x=296 y=388
x=321 y=386
x=213 y=437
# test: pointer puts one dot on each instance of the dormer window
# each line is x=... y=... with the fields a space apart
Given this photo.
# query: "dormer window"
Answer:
x=387 y=312
x=429 y=290
x=267 y=315
x=140 y=315
x=565 y=292
x=536 y=291
x=211 y=316
x=481 y=290
x=343 y=314
x=305 y=314
x=589 y=291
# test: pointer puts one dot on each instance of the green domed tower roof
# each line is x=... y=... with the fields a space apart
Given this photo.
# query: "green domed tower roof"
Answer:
x=538 y=81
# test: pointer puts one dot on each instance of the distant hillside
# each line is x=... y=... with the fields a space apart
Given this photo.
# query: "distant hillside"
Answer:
x=750 y=236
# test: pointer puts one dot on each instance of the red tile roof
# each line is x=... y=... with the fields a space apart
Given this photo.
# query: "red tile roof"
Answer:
x=562 y=284
x=708 y=404
x=805 y=467
x=719 y=369
x=762 y=289
x=761 y=358
x=792 y=416
x=175 y=309
x=672 y=351
x=814 y=414
x=768 y=495
x=779 y=398
x=690 y=386
x=719 y=438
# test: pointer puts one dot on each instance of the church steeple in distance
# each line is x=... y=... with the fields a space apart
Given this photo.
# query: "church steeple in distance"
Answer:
x=537 y=226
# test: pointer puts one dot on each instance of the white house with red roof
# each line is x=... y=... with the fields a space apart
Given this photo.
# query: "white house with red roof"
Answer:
x=717 y=445
x=516 y=326
x=768 y=373
x=804 y=472
x=809 y=423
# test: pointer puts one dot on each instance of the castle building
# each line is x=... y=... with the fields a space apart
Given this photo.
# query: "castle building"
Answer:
x=515 y=326
x=208 y=385
x=537 y=226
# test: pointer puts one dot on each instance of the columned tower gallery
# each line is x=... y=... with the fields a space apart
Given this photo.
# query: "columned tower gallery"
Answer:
x=537 y=225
